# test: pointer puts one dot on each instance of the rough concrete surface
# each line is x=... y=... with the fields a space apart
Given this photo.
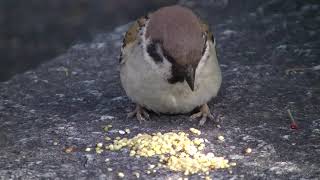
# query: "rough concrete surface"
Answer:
x=66 y=102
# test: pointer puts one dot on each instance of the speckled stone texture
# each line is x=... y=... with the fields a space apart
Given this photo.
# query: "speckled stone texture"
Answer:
x=66 y=102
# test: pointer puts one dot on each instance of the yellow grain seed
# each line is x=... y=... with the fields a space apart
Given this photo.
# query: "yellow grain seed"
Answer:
x=99 y=145
x=221 y=138
x=195 y=131
x=88 y=149
x=136 y=174
x=127 y=130
x=151 y=166
x=132 y=153
x=248 y=150
x=120 y=174
x=233 y=164
x=70 y=149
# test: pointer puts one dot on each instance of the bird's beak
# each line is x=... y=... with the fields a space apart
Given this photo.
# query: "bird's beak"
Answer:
x=190 y=76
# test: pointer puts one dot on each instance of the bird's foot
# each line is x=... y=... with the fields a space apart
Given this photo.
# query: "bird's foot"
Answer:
x=204 y=113
x=140 y=113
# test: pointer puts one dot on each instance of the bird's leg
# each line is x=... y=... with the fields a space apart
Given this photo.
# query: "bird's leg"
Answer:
x=140 y=113
x=204 y=113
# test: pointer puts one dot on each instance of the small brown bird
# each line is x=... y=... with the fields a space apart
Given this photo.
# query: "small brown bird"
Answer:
x=168 y=64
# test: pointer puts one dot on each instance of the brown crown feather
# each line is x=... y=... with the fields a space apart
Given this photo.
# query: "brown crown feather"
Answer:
x=180 y=32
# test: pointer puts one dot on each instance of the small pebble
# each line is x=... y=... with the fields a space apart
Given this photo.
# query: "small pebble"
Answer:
x=109 y=169
x=55 y=143
x=122 y=132
x=88 y=149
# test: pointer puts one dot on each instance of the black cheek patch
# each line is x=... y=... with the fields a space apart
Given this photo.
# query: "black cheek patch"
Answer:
x=177 y=73
x=212 y=38
x=204 y=47
x=152 y=51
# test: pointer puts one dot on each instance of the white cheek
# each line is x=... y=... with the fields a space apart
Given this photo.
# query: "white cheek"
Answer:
x=164 y=68
x=204 y=58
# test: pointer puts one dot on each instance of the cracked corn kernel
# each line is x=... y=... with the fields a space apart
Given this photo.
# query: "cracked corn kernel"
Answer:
x=88 y=149
x=120 y=174
x=99 y=151
x=176 y=151
x=107 y=127
x=248 y=151
x=136 y=174
x=99 y=145
x=107 y=138
x=70 y=149
x=132 y=153
x=122 y=132
x=127 y=130
x=195 y=131
x=221 y=138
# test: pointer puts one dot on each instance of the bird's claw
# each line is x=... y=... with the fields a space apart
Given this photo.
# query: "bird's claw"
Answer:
x=140 y=113
x=204 y=113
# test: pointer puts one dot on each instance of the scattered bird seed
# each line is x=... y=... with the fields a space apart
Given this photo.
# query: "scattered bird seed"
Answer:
x=99 y=145
x=136 y=174
x=248 y=150
x=127 y=131
x=221 y=138
x=120 y=174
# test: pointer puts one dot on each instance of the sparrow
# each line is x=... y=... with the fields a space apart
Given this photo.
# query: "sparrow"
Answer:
x=168 y=64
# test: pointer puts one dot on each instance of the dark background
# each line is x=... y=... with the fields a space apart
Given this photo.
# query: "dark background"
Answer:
x=37 y=30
